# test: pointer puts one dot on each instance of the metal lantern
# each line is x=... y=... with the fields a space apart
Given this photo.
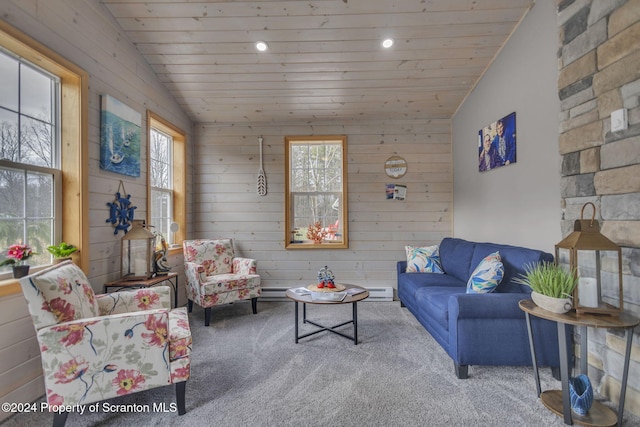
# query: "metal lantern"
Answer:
x=138 y=247
x=588 y=250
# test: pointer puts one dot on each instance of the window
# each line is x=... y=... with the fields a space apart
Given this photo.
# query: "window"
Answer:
x=167 y=180
x=43 y=121
x=316 y=192
x=29 y=174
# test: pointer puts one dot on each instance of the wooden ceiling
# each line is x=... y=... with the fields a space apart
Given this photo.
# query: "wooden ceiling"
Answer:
x=325 y=59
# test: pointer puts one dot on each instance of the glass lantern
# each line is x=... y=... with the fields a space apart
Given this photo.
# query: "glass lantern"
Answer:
x=138 y=247
x=587 y=251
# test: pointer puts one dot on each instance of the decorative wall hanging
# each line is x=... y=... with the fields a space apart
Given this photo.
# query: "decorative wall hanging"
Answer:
x=120 y=132
x=395 y=166
x=396 y=191
x=497 y=144
x=262 y=179
x=120 y=210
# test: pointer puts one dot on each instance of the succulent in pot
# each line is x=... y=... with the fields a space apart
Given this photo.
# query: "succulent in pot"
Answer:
x=551 y=284
x=61 y=251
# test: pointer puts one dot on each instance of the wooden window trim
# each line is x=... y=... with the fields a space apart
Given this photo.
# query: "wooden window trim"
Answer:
x=179 y=175
x=288 y=244
x=74 y=89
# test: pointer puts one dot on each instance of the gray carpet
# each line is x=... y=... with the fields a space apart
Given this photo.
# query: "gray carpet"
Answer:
x=247 y=371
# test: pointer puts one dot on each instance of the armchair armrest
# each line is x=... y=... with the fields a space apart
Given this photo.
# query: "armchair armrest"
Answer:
x=134 y=300
x=244 y=265
x=195 y=272
x=92 y=359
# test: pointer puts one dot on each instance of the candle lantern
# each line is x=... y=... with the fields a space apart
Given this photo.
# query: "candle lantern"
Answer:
x=138 y=246
x=587 y=250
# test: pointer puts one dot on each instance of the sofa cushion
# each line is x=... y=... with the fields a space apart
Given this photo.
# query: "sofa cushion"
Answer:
x=455 y=257
x=487 y=275
x=433 y=302
x=423 y=259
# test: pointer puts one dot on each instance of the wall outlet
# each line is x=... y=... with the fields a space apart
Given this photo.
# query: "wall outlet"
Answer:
x=619 y=120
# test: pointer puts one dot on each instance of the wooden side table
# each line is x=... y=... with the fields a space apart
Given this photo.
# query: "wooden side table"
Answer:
x=558 y=401
x=172 y=278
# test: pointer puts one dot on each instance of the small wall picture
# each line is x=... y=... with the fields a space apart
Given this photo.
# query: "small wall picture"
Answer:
x=497 y=144
x=120 y=131
x=396 y=191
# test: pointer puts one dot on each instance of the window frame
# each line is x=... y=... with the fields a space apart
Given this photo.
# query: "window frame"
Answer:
x=290 y=243
x=73 y=149
x=179 y=175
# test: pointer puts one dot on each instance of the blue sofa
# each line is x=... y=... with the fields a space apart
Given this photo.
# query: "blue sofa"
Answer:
x=479 y=329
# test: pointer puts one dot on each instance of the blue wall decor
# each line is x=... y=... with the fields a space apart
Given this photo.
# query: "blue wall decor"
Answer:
x=120 y=211
x=120 y=132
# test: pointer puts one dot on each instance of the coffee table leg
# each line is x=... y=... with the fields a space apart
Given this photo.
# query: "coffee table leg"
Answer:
x=296 y=328
x=355 y=323
x=304 y=312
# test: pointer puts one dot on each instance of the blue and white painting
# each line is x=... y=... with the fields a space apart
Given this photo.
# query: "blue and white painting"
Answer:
x=120 y=137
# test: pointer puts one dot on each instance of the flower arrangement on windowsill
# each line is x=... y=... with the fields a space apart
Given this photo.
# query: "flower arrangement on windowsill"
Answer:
x=316 y=232
x=16 y=256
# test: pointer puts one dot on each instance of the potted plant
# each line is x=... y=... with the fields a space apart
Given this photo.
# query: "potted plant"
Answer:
x=16 y=256
x=552 y=286
x=61 y=251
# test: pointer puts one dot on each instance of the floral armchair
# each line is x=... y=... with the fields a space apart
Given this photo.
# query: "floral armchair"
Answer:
x=96 y=347
x=216 y=276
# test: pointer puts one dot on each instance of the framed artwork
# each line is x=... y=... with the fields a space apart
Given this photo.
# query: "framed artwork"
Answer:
x=497 y=144
x=120 y=132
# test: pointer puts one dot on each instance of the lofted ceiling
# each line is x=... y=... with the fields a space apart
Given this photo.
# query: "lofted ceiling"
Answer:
x=325 y=59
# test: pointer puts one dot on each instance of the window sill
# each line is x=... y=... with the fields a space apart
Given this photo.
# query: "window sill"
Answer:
x=9 y=287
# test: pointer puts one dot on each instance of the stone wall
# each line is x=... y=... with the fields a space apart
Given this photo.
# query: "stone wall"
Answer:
x=599 y=61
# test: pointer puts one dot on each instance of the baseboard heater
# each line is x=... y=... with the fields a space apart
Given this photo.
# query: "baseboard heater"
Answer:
x=384 y=293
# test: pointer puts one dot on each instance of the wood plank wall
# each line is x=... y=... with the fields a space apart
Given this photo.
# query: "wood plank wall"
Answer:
x=226 y=203
x=84 y=33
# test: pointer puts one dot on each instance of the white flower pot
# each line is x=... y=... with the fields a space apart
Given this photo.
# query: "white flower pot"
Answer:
x=554 y=305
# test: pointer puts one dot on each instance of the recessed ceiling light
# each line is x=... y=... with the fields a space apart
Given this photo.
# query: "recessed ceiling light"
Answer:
x=262 y=46
x=387 y=43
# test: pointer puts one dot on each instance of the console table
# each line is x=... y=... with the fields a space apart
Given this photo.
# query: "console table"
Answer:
x=558 y=401
x=172 y=278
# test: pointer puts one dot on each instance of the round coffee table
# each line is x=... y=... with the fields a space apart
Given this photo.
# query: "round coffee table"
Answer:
x=309 y=299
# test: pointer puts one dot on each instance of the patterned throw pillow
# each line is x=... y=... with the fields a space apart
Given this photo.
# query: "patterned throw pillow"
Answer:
x=487 y=275
x=423 y=260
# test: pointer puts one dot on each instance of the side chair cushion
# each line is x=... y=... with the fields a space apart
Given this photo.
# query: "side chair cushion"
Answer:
x=215 y=256
x=67 y=292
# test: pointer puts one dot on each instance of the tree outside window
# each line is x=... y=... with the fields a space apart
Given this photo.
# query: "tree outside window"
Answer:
x=29 y=156
x=316 y=208
x=167 y=180
x=161 y=167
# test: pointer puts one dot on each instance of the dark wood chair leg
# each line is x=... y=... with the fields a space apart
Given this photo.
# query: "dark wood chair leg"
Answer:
x=59 y=419
x=462 y=371
x=190 y=306
x=180 y=392
x=254 y=305
x=207 y=316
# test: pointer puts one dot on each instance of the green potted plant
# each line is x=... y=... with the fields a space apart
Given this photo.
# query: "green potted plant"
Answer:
x=551 y=286
x=61 y=251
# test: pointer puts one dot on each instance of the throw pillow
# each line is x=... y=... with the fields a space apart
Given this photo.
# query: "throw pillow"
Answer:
x=423 y=260
x=487 y=275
